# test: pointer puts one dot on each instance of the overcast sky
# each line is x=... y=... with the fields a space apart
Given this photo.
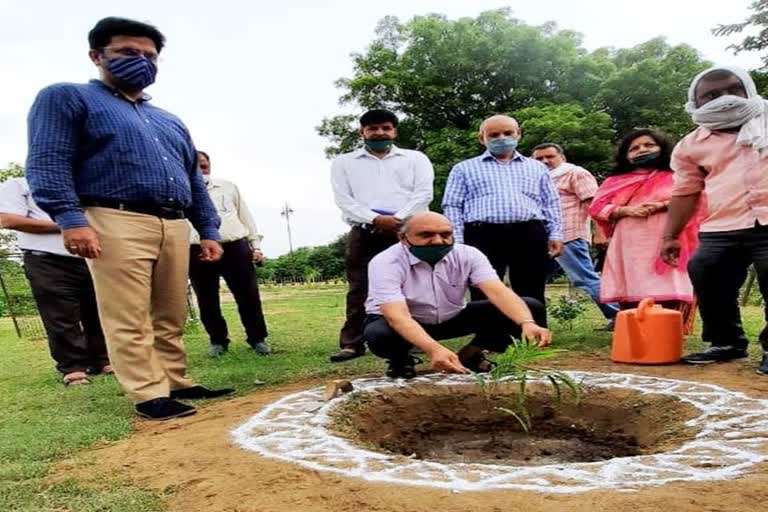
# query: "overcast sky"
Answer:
x=252 y=80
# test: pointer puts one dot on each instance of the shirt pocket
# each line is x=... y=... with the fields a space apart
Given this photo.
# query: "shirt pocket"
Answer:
x=225 y=204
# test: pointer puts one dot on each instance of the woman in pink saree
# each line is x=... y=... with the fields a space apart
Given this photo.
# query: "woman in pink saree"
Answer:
x=630 y=207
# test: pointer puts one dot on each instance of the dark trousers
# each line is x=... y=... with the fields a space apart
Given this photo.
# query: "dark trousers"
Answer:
x=492 y=329
x=520 y=247
x=362 y=246
x=717 y=270
x=237 y=269
x=64 y=294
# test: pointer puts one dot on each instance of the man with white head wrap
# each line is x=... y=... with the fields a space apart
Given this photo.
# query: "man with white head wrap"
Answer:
x=723 y=165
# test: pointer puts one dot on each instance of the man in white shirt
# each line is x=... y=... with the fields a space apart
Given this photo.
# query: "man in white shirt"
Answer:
x=61 y=285
x=242 y=249
x=376 y=187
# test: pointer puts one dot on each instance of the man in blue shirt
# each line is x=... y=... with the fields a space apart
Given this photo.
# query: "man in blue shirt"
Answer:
x=119 y=176
x=507 y=206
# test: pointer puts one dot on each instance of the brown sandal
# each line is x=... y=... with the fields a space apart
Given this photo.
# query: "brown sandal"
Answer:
x=76 y=379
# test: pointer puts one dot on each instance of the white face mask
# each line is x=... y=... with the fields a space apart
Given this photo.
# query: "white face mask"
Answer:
x=728 y=112
x=207 y=179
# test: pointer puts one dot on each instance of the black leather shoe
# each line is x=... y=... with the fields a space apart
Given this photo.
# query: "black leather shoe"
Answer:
x=198 y=392
x=716 y=355
x=763 y=368
x=405 y=369
x=260 y=347
x=163 y=409
x=346 y=354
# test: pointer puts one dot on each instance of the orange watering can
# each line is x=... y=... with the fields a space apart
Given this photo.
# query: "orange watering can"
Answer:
x=648 y=335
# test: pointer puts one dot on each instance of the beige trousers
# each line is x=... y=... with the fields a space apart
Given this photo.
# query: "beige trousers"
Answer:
x=141 y=286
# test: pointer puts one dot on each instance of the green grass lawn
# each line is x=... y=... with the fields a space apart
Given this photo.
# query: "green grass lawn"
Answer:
x=41 y=421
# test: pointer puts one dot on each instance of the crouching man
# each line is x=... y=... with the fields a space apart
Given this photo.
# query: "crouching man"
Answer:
x=416 y=296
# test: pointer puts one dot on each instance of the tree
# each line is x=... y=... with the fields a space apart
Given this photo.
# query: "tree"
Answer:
x=8 y=238
x=324 y=263
x=586 y=136
x=446 y=73
x=443 y=77
x=756 y=42
x=650 y=87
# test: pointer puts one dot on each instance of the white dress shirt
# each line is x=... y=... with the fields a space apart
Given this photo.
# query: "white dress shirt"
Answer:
x=15 y=198
x=236 y=219
x=365 y=186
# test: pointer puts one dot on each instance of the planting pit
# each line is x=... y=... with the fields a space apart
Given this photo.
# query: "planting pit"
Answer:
x=631 y=431
x=459 y=424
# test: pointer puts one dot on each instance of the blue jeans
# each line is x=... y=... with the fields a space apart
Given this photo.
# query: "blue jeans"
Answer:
x=577 y=264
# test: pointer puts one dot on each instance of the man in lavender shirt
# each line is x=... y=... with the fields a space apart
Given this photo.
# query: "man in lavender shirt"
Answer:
x=416 y=296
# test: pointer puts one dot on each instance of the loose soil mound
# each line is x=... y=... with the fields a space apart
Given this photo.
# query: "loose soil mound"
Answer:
x=459 y=424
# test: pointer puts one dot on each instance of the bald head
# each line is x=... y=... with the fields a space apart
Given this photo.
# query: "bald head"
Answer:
x=500 y=135
x=427 y=228
x=496 y=125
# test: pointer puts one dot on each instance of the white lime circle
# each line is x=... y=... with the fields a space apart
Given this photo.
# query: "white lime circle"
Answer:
x=732 y=437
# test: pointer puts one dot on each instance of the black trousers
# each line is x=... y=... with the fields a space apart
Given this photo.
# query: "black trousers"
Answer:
x=237 y=269
x=64 y=294
x=718 y=270
x=362 y=246
x=520 y=247
x=492 y=329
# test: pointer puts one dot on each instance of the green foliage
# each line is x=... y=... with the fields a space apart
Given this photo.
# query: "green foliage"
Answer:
x=307 y=264
x=443 y=77
x=12 y=170
x=19 y=297
x=516 y=365
x=587 y=135
x=567 y=308
x=757 y=20
x=650 y=86
x=8 y=238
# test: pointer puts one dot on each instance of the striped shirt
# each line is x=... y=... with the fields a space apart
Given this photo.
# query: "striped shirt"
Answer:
x=88 y=140
x=483 y=189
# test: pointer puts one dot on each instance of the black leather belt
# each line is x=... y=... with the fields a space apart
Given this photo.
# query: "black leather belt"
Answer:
x=163 y=212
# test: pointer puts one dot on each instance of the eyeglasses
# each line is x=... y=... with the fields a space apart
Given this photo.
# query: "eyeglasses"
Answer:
x=133 y=52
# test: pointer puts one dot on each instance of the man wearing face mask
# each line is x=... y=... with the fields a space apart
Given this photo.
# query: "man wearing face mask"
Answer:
x=724 y=160
x=507 y=206
x=241 y=242
x=119 y=176
x=375 y=188
x=416 y=297
x=576 y=187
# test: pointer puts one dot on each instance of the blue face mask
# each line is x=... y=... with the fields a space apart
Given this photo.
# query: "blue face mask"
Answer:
x=502 y=146
x=132 y=73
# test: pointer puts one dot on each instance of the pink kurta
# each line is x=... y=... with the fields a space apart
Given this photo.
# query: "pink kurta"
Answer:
x=631 y=271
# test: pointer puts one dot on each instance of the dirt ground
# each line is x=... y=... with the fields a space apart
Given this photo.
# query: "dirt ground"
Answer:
x=196 y=459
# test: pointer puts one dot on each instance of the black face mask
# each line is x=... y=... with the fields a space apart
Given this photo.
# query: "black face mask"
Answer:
x=650 y=160
x=430 y=253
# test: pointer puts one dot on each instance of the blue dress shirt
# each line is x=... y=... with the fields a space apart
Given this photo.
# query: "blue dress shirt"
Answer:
x=89 y=141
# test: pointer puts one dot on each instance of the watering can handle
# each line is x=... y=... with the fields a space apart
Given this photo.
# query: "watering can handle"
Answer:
x=644 y=306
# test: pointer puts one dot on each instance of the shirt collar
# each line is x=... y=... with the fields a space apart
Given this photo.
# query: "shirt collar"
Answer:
x=487 y=155
x=116 y=92
x=412 y=260
x=394 y=151
x=701 y=133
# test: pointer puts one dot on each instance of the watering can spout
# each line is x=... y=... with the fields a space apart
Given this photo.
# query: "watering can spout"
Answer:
x=648 y=334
